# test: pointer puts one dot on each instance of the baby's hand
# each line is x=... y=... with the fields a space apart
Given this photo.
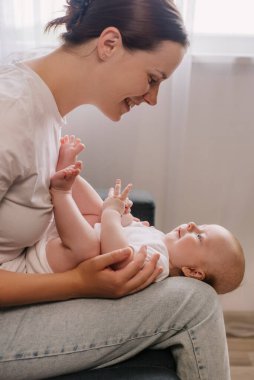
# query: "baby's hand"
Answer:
x=117 y=199
x=113 y=204
x=128 y=206
x=127 y=219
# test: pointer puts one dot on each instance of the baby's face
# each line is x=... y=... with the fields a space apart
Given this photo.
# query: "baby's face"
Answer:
x=192 y=245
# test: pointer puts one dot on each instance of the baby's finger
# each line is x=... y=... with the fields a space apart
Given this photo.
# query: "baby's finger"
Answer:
x=127 y=210
x=72 y=139
x=125 y=192
x=78 y=165
x=65 y=139
x=117 y=191
x=128 y=203
x=111 y=192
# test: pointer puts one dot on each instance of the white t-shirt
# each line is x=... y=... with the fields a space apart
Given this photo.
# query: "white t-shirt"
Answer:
x=137 y=235
x=29 y=143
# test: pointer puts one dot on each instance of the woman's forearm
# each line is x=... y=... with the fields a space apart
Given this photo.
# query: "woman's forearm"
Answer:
x=23 y=288
x=92 y=278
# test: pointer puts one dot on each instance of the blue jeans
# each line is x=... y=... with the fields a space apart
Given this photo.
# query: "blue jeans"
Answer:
x=63 y=337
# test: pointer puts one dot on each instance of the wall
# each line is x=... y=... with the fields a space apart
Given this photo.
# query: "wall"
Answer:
x=202 y=172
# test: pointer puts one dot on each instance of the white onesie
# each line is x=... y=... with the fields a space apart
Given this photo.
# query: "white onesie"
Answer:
x=137 y=235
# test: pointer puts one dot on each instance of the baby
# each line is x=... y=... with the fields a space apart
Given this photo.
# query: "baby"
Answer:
x=88 y=227
x=206 y=252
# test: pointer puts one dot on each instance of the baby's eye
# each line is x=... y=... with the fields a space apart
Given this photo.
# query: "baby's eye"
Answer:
x=199 y=236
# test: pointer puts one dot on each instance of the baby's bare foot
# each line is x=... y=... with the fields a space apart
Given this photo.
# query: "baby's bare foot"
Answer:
x=69 y=150
x=64 y=179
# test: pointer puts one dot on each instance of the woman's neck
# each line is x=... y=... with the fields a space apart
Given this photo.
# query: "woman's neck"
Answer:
x=68 y=76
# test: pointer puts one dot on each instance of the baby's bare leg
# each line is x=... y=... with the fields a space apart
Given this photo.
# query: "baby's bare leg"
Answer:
x=78 y=241
x=69 y=151
x=87 y=199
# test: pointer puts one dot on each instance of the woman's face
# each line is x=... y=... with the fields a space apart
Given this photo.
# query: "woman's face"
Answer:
x=131 y=78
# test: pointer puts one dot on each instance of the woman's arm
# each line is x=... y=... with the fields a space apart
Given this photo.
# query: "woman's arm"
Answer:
x=92 y=278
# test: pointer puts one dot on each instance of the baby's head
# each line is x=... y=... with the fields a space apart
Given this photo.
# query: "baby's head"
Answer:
x=207 y=252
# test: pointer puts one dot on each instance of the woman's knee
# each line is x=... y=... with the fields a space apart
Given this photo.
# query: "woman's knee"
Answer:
x=189 y=301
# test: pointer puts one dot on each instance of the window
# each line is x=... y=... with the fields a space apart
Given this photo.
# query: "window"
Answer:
x=22 y=22
x=220 y=27
x=228 y=17
x=223 y=27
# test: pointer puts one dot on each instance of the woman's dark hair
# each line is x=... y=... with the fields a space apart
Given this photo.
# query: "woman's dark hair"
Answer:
x=143 y=24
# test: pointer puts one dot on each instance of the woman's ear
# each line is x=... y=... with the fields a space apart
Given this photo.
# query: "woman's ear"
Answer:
x=109 y=42
x=196 y=273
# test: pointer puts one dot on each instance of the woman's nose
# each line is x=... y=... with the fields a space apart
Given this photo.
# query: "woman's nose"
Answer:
x=151 y=96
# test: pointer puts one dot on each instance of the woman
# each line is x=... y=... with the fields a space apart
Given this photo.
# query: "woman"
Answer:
x=115 y=54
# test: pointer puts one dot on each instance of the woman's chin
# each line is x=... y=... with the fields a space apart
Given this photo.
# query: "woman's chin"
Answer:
x=114 y=116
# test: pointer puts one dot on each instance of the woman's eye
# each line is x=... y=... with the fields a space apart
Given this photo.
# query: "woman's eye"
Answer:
x=152 y=80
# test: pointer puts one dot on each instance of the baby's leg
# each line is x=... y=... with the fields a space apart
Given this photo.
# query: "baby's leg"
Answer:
x=64 y=179
x=78 y=240
x=87 y=199
x=68 y=152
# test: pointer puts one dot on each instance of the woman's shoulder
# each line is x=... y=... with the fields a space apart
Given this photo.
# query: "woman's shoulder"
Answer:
x=14 y=104
x=15 y=83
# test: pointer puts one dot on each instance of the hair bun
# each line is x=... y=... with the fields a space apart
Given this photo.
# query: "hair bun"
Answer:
x=80 y=4
x=76 y=10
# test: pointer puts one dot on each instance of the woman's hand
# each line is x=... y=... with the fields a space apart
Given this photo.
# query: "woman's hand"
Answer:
x=92 y=278
x=95 y=278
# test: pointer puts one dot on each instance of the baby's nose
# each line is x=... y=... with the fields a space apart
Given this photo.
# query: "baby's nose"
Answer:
x=192 y=226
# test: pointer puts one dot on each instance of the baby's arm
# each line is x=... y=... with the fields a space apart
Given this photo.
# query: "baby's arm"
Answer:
x=112 y=233
x=88 y=200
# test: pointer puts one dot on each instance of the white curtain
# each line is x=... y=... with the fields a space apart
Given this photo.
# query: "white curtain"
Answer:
x=209 y=176
x=22 y=23
x=178 y=118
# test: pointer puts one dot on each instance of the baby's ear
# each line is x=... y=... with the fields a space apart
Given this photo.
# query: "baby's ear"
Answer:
x=196 y=273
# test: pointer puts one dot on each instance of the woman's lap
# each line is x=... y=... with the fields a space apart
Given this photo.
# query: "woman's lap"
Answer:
x=45 y=340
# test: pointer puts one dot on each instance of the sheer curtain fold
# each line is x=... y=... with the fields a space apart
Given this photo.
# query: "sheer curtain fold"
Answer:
x=178 y=118
x=210 y=145
x=22 y=23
